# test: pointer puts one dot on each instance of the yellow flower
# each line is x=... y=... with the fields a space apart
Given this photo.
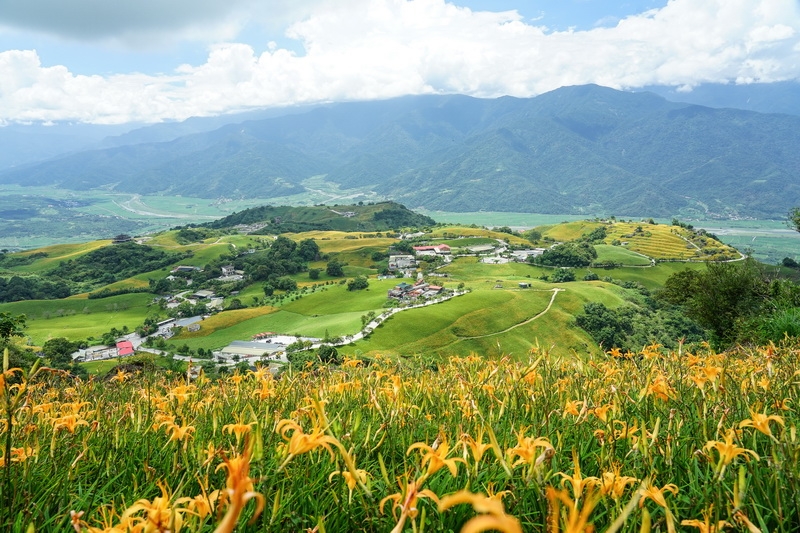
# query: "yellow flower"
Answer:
x=159 y=515
x=571 y=407
x=601 y=412
x=69 y=422
x=660 y=388
x=121 y=376
x=301 y=442
x=239 y=429
x=476 y=447
x=527 y=449
x=492 y=515
x=203 y=504
x=577 y=520
x=435 y=456
x=182 y=393
x=727 y=451
x=613 y=484
x=406 y=502
x=651 y=351
x=265 y=390
x=705 y=525
x=238 y=490
x=179 y=433
x=350 y=480
x=761 y=422
x=18 y=455
x=578 y=482
x=652 y=492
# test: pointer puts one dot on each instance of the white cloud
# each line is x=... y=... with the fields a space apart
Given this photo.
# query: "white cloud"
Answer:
x=367 y=49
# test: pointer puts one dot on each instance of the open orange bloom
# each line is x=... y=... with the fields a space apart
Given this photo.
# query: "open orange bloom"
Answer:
x=493 y=515
x=436 y=456
x=761 y=422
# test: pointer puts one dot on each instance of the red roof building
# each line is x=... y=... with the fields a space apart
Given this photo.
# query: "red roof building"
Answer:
x=124 y=348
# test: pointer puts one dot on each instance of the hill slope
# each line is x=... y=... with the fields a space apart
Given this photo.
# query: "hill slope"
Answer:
x=584 y=149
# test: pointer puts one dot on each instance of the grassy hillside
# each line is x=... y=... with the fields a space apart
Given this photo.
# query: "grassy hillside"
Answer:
x=495 y=317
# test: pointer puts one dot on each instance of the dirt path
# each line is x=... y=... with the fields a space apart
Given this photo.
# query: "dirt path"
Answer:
x=546 y=309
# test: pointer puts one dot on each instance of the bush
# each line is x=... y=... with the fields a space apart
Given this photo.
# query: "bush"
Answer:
x=562 y=275
x=357 y=284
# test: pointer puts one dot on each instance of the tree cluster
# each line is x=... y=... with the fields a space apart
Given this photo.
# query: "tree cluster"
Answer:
x=568 y=254
x=736 y=302
x=113 y=263
x=18 y=288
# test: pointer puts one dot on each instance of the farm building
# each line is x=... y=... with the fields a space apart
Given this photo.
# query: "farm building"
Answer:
x=124 y=348
x=438 y=249
x=401 y=262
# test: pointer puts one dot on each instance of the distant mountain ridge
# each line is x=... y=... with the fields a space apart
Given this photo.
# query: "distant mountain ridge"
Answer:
x=583 y=149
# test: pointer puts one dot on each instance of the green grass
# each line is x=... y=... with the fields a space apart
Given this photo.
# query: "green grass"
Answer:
x=620 y=255
x=80 y=318
x=446 y=328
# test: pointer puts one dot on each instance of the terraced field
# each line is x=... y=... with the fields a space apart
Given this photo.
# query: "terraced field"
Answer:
x=569 y=231
x=663 y=242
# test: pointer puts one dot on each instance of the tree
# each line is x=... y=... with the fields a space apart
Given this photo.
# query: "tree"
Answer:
x=11 y=326
x=533 y=235
x=721 y=297
x=357 y=284
x=329 y=355
x=285 y=283
x=794 y=218
x=313 y=273
x=561 y=275
x=269 y=290
x=334 y=269
x=568 y=254
x=59 y=351
x=236 y=303
x=308 y=249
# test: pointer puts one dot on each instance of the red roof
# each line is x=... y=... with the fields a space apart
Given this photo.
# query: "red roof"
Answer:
x=124 y=348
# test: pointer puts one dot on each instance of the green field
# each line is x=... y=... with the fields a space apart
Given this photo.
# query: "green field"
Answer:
x=80 y=318
x=620 y=255
x=492 y=317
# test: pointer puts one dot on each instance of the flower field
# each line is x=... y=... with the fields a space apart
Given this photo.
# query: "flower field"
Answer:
x=655 y=441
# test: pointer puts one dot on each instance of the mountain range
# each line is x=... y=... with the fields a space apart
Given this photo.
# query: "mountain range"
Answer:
x=576 y=150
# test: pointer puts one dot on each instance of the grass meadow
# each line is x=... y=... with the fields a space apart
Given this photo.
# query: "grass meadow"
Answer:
x=79 y=318
x=620 y=256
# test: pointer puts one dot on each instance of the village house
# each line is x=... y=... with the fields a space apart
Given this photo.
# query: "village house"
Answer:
x=229 y=273
x=521 y=256
x=433 y=250
x=124 y=348
x=421 y=289
x=401 y=262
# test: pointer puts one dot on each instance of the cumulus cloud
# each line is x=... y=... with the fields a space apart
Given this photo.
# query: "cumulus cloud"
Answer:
x=369 y=49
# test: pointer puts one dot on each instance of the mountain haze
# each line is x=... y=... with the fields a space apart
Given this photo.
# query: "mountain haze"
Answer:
x=583 y=149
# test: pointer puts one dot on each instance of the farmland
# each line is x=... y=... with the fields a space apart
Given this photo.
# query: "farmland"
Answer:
x=326 y=307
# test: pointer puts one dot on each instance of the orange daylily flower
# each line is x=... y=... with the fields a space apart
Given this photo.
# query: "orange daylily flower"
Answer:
x=576 y=480
x=577 y=520
x=493 y=515
x=160 y=515
x=238 y=490
x=727 y=450
x=406 y=502
x=761 y=422
x=435 y=456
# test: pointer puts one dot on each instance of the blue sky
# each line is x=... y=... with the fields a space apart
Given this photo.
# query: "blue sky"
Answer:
x=150 y=60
